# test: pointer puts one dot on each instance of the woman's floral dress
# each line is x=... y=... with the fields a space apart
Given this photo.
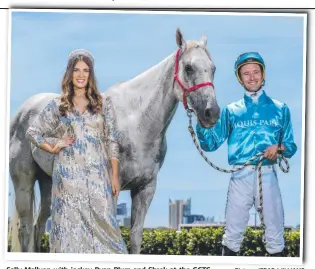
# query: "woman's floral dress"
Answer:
x=83 y=209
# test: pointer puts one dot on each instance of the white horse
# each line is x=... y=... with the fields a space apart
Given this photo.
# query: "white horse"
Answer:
x=145 y=106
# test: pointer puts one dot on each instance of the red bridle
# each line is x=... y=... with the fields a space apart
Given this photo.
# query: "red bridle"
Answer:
x=186 y=90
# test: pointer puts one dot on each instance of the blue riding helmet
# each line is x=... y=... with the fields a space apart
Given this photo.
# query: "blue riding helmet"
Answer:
x=249 y=57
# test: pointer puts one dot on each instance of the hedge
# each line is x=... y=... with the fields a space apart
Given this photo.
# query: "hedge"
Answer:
x=200 y=241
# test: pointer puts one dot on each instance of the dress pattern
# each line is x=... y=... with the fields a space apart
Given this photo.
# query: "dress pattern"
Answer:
x=83 y=209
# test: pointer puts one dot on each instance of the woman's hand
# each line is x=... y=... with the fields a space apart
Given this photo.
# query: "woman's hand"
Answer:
x=63 y=143
x=115 y=185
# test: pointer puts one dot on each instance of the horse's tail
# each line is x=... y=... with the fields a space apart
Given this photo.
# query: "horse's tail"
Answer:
x=14 y=231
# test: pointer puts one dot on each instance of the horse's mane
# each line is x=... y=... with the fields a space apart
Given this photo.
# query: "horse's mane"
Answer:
x=190 y=44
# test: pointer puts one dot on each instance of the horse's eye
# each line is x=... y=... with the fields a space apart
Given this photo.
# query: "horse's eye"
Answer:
x=188 y=68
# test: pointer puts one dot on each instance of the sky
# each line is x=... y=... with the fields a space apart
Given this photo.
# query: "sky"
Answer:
x=125 y=45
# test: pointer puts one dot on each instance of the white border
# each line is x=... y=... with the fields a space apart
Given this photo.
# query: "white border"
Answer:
x=4 y=15
x=215 y=13
x=302 y=207
x=8 y=93
x=158 y=258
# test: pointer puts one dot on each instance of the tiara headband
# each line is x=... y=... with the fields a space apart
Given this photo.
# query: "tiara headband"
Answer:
x=80 y=52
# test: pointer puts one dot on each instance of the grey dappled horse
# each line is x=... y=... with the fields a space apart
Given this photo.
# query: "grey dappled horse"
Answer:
x=145 y=106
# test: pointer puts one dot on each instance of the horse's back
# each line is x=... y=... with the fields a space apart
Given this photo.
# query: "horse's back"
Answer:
x=19 y=146
x=28 y=111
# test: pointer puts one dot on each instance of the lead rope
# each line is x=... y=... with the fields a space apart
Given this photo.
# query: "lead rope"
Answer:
x=259 y=165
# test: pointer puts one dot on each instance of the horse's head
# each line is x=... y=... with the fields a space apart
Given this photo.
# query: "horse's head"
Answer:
x=194 y=73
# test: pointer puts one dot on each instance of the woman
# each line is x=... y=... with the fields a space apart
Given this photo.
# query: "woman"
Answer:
x=84 y=181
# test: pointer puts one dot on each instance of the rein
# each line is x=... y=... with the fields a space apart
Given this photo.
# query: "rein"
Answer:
x=259 y=155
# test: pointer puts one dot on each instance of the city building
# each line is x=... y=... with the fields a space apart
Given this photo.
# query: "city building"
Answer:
x=178 y=209
x=187 y=207
x=180 y=215
x=122 y=209
x=188 y=219
x=122 y=216
x=127 y=222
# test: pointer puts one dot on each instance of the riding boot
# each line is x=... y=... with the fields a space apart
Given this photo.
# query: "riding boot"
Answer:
x=227 y=252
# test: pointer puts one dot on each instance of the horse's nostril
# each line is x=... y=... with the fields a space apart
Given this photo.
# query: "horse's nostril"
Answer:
x=207 y=113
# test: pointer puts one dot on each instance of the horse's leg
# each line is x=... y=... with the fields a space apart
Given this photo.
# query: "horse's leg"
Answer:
x=24 y=197
x=141 y=200
x=45 y=183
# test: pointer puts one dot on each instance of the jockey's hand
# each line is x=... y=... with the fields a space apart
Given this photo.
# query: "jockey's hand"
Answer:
x=272 y=151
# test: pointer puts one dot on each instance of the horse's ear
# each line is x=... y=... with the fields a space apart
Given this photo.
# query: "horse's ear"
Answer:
x=180 y=39
x=203 y=40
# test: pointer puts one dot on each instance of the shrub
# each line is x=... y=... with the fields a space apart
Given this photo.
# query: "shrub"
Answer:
x=200 y=241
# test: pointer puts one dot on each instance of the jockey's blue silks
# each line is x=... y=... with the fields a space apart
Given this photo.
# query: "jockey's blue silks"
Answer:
x=250 y=127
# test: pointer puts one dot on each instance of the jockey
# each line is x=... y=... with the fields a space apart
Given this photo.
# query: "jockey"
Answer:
x=253 y=124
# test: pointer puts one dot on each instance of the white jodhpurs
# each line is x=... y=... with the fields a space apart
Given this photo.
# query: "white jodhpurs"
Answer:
x=243 y=193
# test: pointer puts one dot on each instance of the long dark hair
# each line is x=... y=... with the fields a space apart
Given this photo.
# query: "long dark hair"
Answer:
x=92 y=93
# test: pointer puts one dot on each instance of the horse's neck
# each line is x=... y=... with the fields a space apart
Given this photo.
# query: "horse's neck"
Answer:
x=158 y=101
